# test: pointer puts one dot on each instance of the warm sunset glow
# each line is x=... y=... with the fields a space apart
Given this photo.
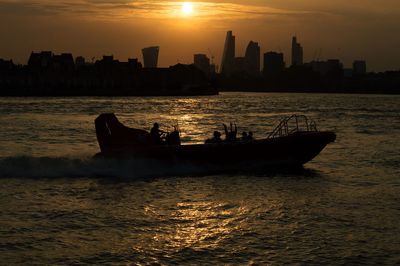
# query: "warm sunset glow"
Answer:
x=187 y=8
x=340 y=29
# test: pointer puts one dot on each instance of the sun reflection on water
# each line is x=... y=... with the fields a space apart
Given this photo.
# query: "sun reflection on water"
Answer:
x=198 y=225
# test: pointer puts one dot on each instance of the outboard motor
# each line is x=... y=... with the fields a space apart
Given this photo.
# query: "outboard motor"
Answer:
x=113 y=136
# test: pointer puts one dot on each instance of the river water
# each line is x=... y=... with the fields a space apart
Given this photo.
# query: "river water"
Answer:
x=60 y=206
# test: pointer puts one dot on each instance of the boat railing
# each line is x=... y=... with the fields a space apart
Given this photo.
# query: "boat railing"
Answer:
x=292 y=124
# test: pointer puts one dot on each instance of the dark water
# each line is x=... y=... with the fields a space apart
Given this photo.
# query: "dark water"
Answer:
x=59 y=206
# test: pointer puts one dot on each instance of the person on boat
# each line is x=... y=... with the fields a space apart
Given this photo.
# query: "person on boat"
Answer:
x=156 y=133
x=250 y=136
x=215 y=139
x=231 y=134
x=244 y=136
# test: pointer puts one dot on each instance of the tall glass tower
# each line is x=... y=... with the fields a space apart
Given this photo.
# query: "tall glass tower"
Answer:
x=228 y=57
x=297 y=53
x=252 y=58
x=150 y=56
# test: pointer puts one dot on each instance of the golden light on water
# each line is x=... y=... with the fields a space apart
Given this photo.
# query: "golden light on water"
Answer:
x=201 y=225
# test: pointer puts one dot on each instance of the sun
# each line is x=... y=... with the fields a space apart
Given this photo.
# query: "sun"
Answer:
x=187 y=8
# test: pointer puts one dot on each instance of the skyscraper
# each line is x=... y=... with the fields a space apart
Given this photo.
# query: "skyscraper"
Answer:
x=297 y=53
x=252 y=58
x=228 y=57
x=239 y=65
x=359 y=67
x=150 y=56
x=273 y=63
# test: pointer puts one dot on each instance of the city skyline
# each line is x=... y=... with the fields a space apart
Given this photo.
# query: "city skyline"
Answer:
x=253 y=63
x=349 y=31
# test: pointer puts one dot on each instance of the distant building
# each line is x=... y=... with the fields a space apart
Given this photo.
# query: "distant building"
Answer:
x=64 y=61
x=252 y=58
x=6 y=65
x=150 y=56
x=347 y=72
x=177 y=78
x=202 y=62
x=186 y=77
x=213 y=69
x=329 y=67
x=239 y=65
x=46 y=60
x=228 y=56
x=297 y=53
x=41 y=60
x=273 y=63
x=108 y=59
x=359 y=67
x=134 y=63
x=80 y=61
x=109 y=65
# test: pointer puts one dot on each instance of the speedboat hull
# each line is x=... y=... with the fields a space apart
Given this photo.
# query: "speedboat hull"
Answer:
x=292 y=150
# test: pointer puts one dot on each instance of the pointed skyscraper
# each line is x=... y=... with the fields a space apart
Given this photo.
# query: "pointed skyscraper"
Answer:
x=252 y=58
x=297 y=53
x=228 y=57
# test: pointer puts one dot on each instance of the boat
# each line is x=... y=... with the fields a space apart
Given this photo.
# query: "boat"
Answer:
x=294 y=142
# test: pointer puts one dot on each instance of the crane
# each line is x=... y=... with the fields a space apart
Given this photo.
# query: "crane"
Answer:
x=212 y=56
x=213 y=65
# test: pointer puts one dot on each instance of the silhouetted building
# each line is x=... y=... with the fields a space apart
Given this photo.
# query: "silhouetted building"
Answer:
x=202 y=62
x=6 y=65
x=177 y=79
x=80 y=61
x=213 y=69
x=347 y=72
x=239 y=65
x=273 y=63
x=331 y=67
x=65 y=61
x=359 y=67
x=150 y=56
x=46 y=61
x=41 y=60
x=297 y=53
x=56 y=75
x=108 y=60
x=134 y=63
x=252 y=58
x=110 y=66
x=187 y=77
x=228 y=57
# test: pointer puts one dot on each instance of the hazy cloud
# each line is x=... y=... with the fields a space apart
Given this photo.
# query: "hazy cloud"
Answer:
x=139 y=8
x=233 y=9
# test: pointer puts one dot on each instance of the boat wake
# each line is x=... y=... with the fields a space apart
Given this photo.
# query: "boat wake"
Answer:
x=59 y=167
x=130 y=168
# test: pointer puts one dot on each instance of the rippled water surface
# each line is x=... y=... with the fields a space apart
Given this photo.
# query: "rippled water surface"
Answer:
x=59 y=206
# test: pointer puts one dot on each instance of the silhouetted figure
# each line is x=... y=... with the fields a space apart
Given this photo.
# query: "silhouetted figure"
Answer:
x=250 y=136
x=156 y=133
x=215 y=139
x=231 y=134
x=244 y=136
x=173 y=138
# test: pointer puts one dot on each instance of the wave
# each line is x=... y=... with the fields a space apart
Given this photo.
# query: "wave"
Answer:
x=89 y=167
x=50 y=167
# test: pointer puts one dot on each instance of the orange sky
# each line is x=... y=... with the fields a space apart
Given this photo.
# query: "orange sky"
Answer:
x=345 y=29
